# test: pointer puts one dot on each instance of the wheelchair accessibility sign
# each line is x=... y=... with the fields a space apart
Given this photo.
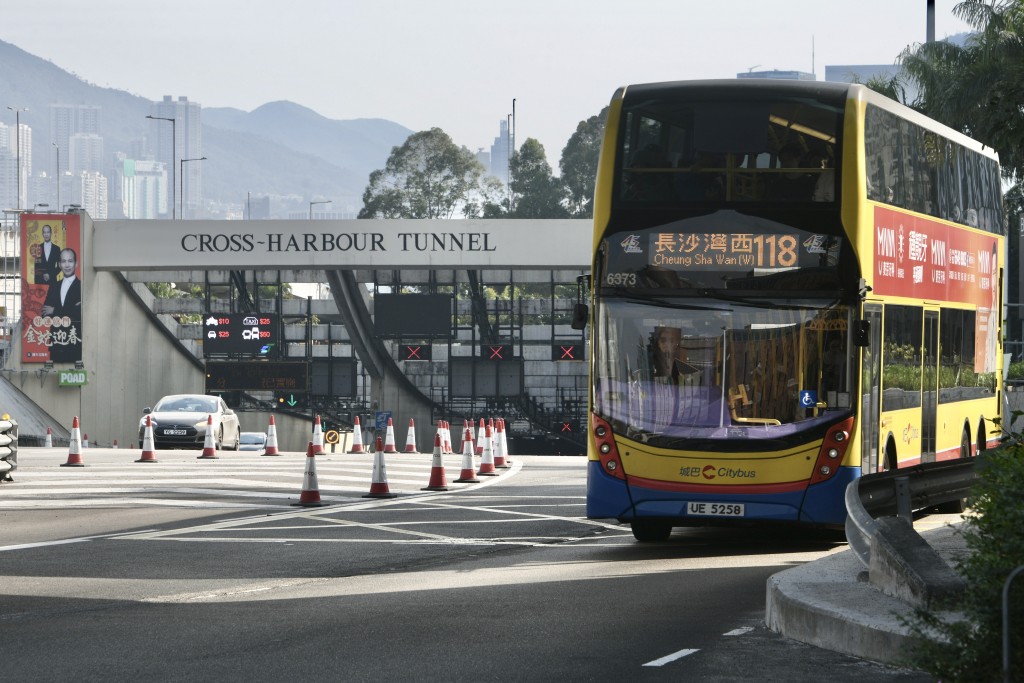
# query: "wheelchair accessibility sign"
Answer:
x=808 y=398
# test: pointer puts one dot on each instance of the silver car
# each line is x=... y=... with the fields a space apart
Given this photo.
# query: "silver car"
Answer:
x=180 y=421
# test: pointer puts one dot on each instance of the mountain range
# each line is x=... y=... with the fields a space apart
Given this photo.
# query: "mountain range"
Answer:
x=280 y=148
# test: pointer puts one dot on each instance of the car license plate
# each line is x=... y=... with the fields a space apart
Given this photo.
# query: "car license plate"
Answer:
x=709 y=509
x=174 y=432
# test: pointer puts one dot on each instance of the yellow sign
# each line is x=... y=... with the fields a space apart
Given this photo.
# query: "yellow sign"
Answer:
x=332 y=436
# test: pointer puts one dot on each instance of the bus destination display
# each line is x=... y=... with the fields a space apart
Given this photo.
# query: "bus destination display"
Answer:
x=252 y=334
x=732 y=251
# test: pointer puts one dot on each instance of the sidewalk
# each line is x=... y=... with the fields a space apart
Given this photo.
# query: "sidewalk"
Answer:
x=828 y=603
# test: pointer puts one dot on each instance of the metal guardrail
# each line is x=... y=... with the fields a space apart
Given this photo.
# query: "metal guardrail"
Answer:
x=886 y=493
x=8 y=448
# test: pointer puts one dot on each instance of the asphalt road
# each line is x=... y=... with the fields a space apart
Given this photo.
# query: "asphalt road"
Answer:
x=204 y=570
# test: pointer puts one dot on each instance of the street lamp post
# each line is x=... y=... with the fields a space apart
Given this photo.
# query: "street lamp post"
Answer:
x=174 y=157
x=58 y=174
x=17 y=145
x=327 y=201
x=181 y=195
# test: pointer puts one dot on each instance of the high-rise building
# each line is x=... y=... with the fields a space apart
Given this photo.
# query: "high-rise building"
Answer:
x=85 y=153
x=499 y=153
x=775 y=74
x=174 y=143
x=20 y=154
x=67 y=120
x=89 y=190
x=143 y=188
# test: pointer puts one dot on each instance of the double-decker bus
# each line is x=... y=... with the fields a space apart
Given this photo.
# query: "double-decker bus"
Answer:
x=794 y=283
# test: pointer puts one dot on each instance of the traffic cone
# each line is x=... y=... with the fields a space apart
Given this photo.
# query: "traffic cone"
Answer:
x=49 y=439
x=487 y=459
x=271 y=447
x=148 y=450
x=310 y=496
x=75 y=447
x=318 y=437
x=357 y=438
x=410 y=438
x=209 y=445
x=504 y=443
x=114 y=445
x=389 y=438
x=499 y=452
x=447 y=441
x=379 y=481
x=480 y=438
x=467 y=434
x=85 y=441
x=438 y=482
x=468 y=474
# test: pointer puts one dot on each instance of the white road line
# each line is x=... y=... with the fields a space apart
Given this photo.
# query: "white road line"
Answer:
x=671 y=658
x=739 y=631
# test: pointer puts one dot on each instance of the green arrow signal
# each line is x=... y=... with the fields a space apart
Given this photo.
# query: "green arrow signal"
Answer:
x=291 y=400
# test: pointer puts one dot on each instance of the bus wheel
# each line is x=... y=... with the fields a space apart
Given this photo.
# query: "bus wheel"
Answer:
x=890 y=463
x=651 y=530
x=965 y=444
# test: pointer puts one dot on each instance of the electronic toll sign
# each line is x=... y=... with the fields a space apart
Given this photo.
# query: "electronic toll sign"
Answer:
x=284 y=377
x=251 y=334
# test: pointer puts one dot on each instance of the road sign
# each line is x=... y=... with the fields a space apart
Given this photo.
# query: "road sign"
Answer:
x=332 y=436
x=380 y=420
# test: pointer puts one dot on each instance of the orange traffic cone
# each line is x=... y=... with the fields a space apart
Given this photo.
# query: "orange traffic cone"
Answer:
x=487 y=459
x=148 y=450
x=438 y=482
x=446 y=441
x=379 y=481
x=271 y=447
x=480 y=438
x=49 y=439
x=209 y=445
x=85 y=441
x=499 y=451
x=75 y=447
x=389 y=438
x=318 y=437
x=357 y=438
x=504 y=443
x=468 y=474
x=310 y=496
x=114 y=445
x=467 y=435
x=410 y=438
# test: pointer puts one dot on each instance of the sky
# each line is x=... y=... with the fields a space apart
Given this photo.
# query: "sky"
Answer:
x=453 y=64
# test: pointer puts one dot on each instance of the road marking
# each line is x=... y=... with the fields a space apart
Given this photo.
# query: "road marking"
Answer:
x=739 y=631
x=671 y=658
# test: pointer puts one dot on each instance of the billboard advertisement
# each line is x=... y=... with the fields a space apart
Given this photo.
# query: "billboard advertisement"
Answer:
x=51 y=288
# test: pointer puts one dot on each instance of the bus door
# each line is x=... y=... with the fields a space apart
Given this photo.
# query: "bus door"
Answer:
x=871 y=400
x=930 y=383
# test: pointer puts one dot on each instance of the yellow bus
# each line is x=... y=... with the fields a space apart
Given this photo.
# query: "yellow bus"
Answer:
x=794 y=283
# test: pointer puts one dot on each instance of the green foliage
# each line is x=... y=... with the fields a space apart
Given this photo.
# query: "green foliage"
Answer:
x=536 y=193
x=978 y=88
x=429 y=176
x=579 y=165
x=971 y=650
x=1016 y=370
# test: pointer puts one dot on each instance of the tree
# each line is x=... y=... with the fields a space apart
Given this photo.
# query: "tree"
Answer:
x=536 y=193
x=429 y=176
x=579 y=164
x=978 y=88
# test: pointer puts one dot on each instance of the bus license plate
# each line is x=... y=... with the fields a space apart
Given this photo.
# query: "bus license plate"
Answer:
x=174 y=432
x=706 y=509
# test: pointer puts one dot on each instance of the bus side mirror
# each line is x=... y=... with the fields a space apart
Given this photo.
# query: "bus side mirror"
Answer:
x=861 y=333
x=580 y=315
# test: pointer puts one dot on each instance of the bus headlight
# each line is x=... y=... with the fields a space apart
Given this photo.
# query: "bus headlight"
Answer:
x=606 y=448
x=600 y=431
x=833 y=453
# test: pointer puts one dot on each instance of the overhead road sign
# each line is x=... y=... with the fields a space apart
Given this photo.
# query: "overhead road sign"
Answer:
x=382 y=244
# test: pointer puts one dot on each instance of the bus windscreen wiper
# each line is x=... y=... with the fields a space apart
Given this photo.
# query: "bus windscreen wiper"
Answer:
x=765 y=303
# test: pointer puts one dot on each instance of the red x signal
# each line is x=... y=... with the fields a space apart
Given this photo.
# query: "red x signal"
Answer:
x=566 y=352
x=496 y=352
x=566 y=426
x=412 y=353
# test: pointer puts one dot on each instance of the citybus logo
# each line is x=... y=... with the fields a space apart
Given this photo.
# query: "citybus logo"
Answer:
x=910 y=432
x=709 y=472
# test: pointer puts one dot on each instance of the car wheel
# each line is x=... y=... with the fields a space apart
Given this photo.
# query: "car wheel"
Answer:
x=238 y=441
x=219 y=441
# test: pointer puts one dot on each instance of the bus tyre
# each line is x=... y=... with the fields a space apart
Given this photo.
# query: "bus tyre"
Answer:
x=651 y=530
